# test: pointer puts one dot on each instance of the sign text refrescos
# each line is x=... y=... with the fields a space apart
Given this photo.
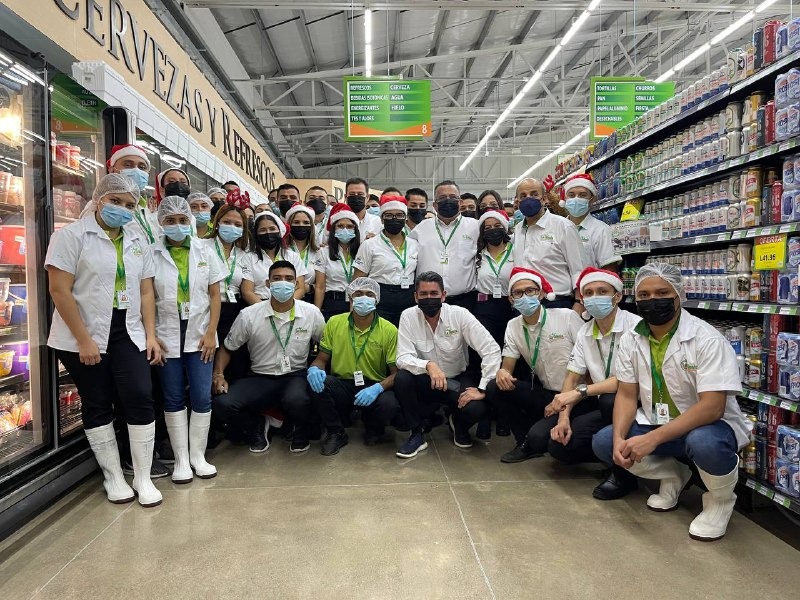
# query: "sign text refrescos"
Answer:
x=386 y=109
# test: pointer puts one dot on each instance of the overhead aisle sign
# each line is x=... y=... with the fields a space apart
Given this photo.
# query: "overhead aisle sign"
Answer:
x=386 y=109
x=618 y=101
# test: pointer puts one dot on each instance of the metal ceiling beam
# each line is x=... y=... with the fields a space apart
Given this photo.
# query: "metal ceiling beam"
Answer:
x=436 y=41
x=308 y=44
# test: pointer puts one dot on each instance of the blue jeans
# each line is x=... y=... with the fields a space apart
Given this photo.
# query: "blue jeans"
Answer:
x=711 y=447
x=173 y=383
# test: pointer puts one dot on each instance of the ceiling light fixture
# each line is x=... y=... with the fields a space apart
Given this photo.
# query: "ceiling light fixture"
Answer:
x=576 y=25
x=368 y=43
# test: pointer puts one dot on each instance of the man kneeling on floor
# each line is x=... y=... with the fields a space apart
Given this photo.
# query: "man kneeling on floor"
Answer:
x=433 y=340
x=278 y=334
x=361 y=348
x=683 y=372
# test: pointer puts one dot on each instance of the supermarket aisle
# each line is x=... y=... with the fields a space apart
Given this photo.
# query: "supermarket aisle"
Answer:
x=448 y=524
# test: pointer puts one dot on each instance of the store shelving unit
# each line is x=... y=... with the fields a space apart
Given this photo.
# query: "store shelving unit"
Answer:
x=770 y=399
x=779 y=498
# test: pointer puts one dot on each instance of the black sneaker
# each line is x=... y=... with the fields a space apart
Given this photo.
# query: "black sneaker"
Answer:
x=298 y=444
x=502 y=430
x=259 y=442
x=461 y=437
x=373 y=436
x=157 y=469
x=334 y=442
x=413 y=445
x=484 y=431
x=519 y=454
x=617 y=485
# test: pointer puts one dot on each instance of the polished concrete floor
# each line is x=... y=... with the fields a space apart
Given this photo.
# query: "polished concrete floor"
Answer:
x=448 y=524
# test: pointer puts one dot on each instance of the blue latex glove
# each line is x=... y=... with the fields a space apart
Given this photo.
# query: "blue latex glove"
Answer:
x=316 y=379
x=368 y=395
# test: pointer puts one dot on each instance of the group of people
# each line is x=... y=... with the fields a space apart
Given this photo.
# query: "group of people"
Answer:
x=298 y=314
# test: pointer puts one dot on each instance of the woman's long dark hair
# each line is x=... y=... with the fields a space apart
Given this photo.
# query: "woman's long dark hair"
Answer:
x=243 y=242
x=482 y=242
x=490 y=193
x=256 y=248
x=333 y=243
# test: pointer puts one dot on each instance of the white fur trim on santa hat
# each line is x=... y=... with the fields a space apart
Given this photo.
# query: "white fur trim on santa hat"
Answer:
x=580 y=181
x=274 y=218
x=342 y=214
x=299 y=208
x=611 y=280
x=129 y=150
x=493 y=214
x=523 y=276
x=394 y=205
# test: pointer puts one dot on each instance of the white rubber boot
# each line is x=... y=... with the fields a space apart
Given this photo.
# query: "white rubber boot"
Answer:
x=104 y=445
x=673 y=476
x=718 y=503
x=198 y=440
x=178 y=429
x=142 y=439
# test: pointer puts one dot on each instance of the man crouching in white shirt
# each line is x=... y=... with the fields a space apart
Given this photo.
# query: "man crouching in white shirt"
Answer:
x=683 y=373
x=433 y=339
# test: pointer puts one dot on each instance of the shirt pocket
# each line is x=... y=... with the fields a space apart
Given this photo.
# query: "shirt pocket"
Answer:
x=425 y=348
x=299 y=343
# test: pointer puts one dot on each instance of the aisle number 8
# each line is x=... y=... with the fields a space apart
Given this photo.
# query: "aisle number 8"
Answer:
x=424 y=129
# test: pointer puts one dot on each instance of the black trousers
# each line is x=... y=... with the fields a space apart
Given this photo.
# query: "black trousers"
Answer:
x=394 y=300
x=239 y=364
x=335 y=303
x=123 y=375
x=249 y=396
x=467 y=300
x=415 y=397
x=337 y=400
x=585 y=420
x=494 y=314
x=521 y=407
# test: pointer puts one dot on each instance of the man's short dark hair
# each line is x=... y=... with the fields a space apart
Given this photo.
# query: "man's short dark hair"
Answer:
x=281 y=264
x=230 y=183
x=288 y=186
x=316 y=187
x=429 y=277
x=468 y=196
x=356 y=181
x=392 y=190
x=443 y=183
x=374 y=197
x=273 y=191
x=417 y=192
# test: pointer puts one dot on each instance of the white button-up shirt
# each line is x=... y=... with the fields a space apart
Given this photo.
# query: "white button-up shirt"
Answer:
x=597 y=242
x=458 y=242
x=487 y=278
x=309 y=259
x=457 y=330
x=238 y=260
x=552 y=247
x=561 y=327
x=338 y=273
x=259 y=268
x=380 y=260
x=698 y=359
x=369 y=224
x=84 y=250
x=594 y=351
x=252 y=327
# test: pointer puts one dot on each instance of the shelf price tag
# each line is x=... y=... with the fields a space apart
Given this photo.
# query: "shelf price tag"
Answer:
x=752 y=308
x=787 y=405
x=751 y=484
x=780 y=499
x=769 y=252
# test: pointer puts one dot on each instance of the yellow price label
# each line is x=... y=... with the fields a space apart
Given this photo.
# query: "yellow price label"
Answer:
x=769 y=252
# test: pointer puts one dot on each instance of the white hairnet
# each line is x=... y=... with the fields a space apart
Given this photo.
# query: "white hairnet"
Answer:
x=173 y=205
x=669 y=273
x=217 y=191
x=364 y=284
x=115 y=183
x=200 y=196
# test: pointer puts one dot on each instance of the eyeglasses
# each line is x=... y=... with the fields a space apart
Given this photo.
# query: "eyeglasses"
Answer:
x=531 y=291
x=391 y=216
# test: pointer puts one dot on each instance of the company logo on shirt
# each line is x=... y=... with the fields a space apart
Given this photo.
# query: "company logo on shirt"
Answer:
x=555 y=336
x=448 y=332
x=466 y=236
x=202 y=264
x=136 y=250
x=547 y=237
x=300 y=331
x=584 y=238
x=687 y=366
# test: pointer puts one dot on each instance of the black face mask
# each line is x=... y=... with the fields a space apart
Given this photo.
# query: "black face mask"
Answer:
x=318 y=206
x=656 y=311
x=417 y=215
x=301 y=232
x=447 y=208
x=356 y=203
x=430 y=306
x=177 y=188
x=284 y=206
x=394 y=226
x=494 y=237
x=468 y=213
x=268 y=241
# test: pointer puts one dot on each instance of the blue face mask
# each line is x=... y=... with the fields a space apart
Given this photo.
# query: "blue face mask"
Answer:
x=345 y=235
x=577 y=207
x=137 y=176
x=518 y=216
x=599 y=306
x=115 y=216
x=202 y=217
x=177 y=233
x=374 y=210
x=527 y=305
x=229 y=233
x=530 y=207
x=364 y=305
x=281 y=290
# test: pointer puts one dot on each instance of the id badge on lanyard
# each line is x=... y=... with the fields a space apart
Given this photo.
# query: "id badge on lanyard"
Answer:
x=184 y=311
x=123 y=299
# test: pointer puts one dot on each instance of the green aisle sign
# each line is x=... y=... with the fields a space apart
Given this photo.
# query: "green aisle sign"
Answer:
x=386 y=109
x=617 y=101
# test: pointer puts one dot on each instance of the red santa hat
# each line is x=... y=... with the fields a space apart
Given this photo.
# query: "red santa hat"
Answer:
x=299 y=208
x=393 y=202
x=275 y=219
x=521 y=274
x=341 y=211
x=593 y=275
x=583 y=180
x=120 y=150
x=500 y=215
x=160 y=181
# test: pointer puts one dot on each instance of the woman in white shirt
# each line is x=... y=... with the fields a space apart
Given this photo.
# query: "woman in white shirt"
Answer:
x=303 y=241
x=390 y=258
x=188 y=273
x=335 y=263
x=270 y=246
x=104 y=331
x=495 y=261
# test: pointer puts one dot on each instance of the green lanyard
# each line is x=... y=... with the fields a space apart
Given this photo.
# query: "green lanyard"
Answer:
x=610 y=352
x=285 y=342
x=403 y=258
x=452 y=233
x=535 y=356
x=184 y=283
x=491 y=261
x=348 y=275
x=307 y=254
x=138 y=214
x=658 y=380
x=351 y=326
x=222 y=258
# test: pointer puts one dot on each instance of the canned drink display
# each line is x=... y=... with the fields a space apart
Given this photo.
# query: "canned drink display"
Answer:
x=793 y=252
x=734 y=219
x=793 y=120
x=787 y=287
x=745 y=149
x=744 y=253
x=776 y=200
x=732 y=65
x=733 y=114
x=769 y=122
x=788 y=173
x=787 y=206
x=796 y=205
x=753 y=182
x=755 y=286
x=783 y=40
x=761 y=127
x=771 y=41
x=781 y=124
x=792 y=36
x=750 y=64
x=782 y=90
x=743 y=286
x=741 y=65
x=758 y=45
x=752 y=213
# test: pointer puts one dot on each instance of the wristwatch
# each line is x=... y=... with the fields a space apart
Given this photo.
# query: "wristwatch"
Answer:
x=583 y=390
